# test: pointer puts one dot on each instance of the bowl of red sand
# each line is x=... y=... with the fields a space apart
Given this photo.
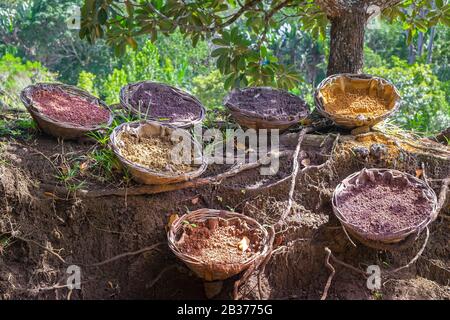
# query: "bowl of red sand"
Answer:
x=356 y=100
x=217 y=244
x=65 y=111
x=162 y=103
x=384 y=206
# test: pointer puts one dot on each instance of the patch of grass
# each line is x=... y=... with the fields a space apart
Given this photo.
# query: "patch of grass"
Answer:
x=5 y=241
x=105 y=162
x=447 y=140
x=3 y=160
x=74 y=187
x=377 y=295
x=214 y=115
x=22 y=128
x=100 y=137
x=68 y=175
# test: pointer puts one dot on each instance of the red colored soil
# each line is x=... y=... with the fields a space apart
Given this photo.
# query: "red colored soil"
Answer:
x=218 y=242
x=381 y=208
x=62 y=106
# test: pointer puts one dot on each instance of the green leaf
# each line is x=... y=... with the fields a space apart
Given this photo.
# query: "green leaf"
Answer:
x=165 y=25
x=263 y=50
x=102 y=16
x=234 y=34
x=229 y=80
x=220 y=42
x=195 y=39
x=132 y=43
x=219 y=52
x=221 y=62
x=241 y=63
x=446 y=21
x=226 y=36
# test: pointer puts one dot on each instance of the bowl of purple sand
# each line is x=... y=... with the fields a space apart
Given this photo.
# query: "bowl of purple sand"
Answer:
x=265 y=108
x=162 y=103
x=384 y=205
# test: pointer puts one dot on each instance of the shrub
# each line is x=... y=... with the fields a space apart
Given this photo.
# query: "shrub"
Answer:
x=86 y=81
x=424 y=105
x=16 y=75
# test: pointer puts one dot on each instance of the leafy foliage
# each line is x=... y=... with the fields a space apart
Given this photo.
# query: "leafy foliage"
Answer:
x=86 y=81
x=209 y=89
x=16 y=75
x=37 y=30
x=282 y=43
x=239 y=30
x=419 y=15
x=189 y=70
x=424 y=106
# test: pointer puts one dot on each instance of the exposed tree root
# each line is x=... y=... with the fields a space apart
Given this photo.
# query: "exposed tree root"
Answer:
x=330 y=278
x=260 y=265
x=293 y=177
x=155 y=189
x=158 y=277
x=123 y=255
x=416 y=257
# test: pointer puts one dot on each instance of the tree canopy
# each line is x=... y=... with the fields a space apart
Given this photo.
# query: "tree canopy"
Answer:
x=239 y=29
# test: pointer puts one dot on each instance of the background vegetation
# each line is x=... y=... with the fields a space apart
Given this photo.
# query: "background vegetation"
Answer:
x=38 y=46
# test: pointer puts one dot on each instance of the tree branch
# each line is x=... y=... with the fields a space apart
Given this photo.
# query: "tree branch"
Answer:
x=336 y=8
x=244 y=8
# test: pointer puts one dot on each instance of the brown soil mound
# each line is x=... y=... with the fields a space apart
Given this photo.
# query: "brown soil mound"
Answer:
x=162 y=102
x=86 y=231
x=64 y=107
x=268 y=102
x=219 y=242
x=353 y=103
x=381 y=208
x=152 y=152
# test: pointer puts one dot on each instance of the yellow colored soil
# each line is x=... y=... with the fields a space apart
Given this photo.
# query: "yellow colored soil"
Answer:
x=152 y=152
x=218 y=246
x=369 y=139
x=354 y=103
x=394 y=146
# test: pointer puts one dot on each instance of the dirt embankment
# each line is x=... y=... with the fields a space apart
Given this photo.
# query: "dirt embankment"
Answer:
x=43 y=231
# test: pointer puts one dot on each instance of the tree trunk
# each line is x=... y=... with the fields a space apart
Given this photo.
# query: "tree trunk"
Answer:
x=411 y=54
x=347 y=43
x=420 y=44
x=430 y=45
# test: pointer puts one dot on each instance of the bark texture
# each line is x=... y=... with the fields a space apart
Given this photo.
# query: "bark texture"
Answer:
x=348 y=21
x=347 y=43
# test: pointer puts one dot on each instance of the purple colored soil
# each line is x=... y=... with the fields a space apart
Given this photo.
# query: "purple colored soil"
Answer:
x=64 y=107
x=162 y=102
x=268 y=102
x=383 y=209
